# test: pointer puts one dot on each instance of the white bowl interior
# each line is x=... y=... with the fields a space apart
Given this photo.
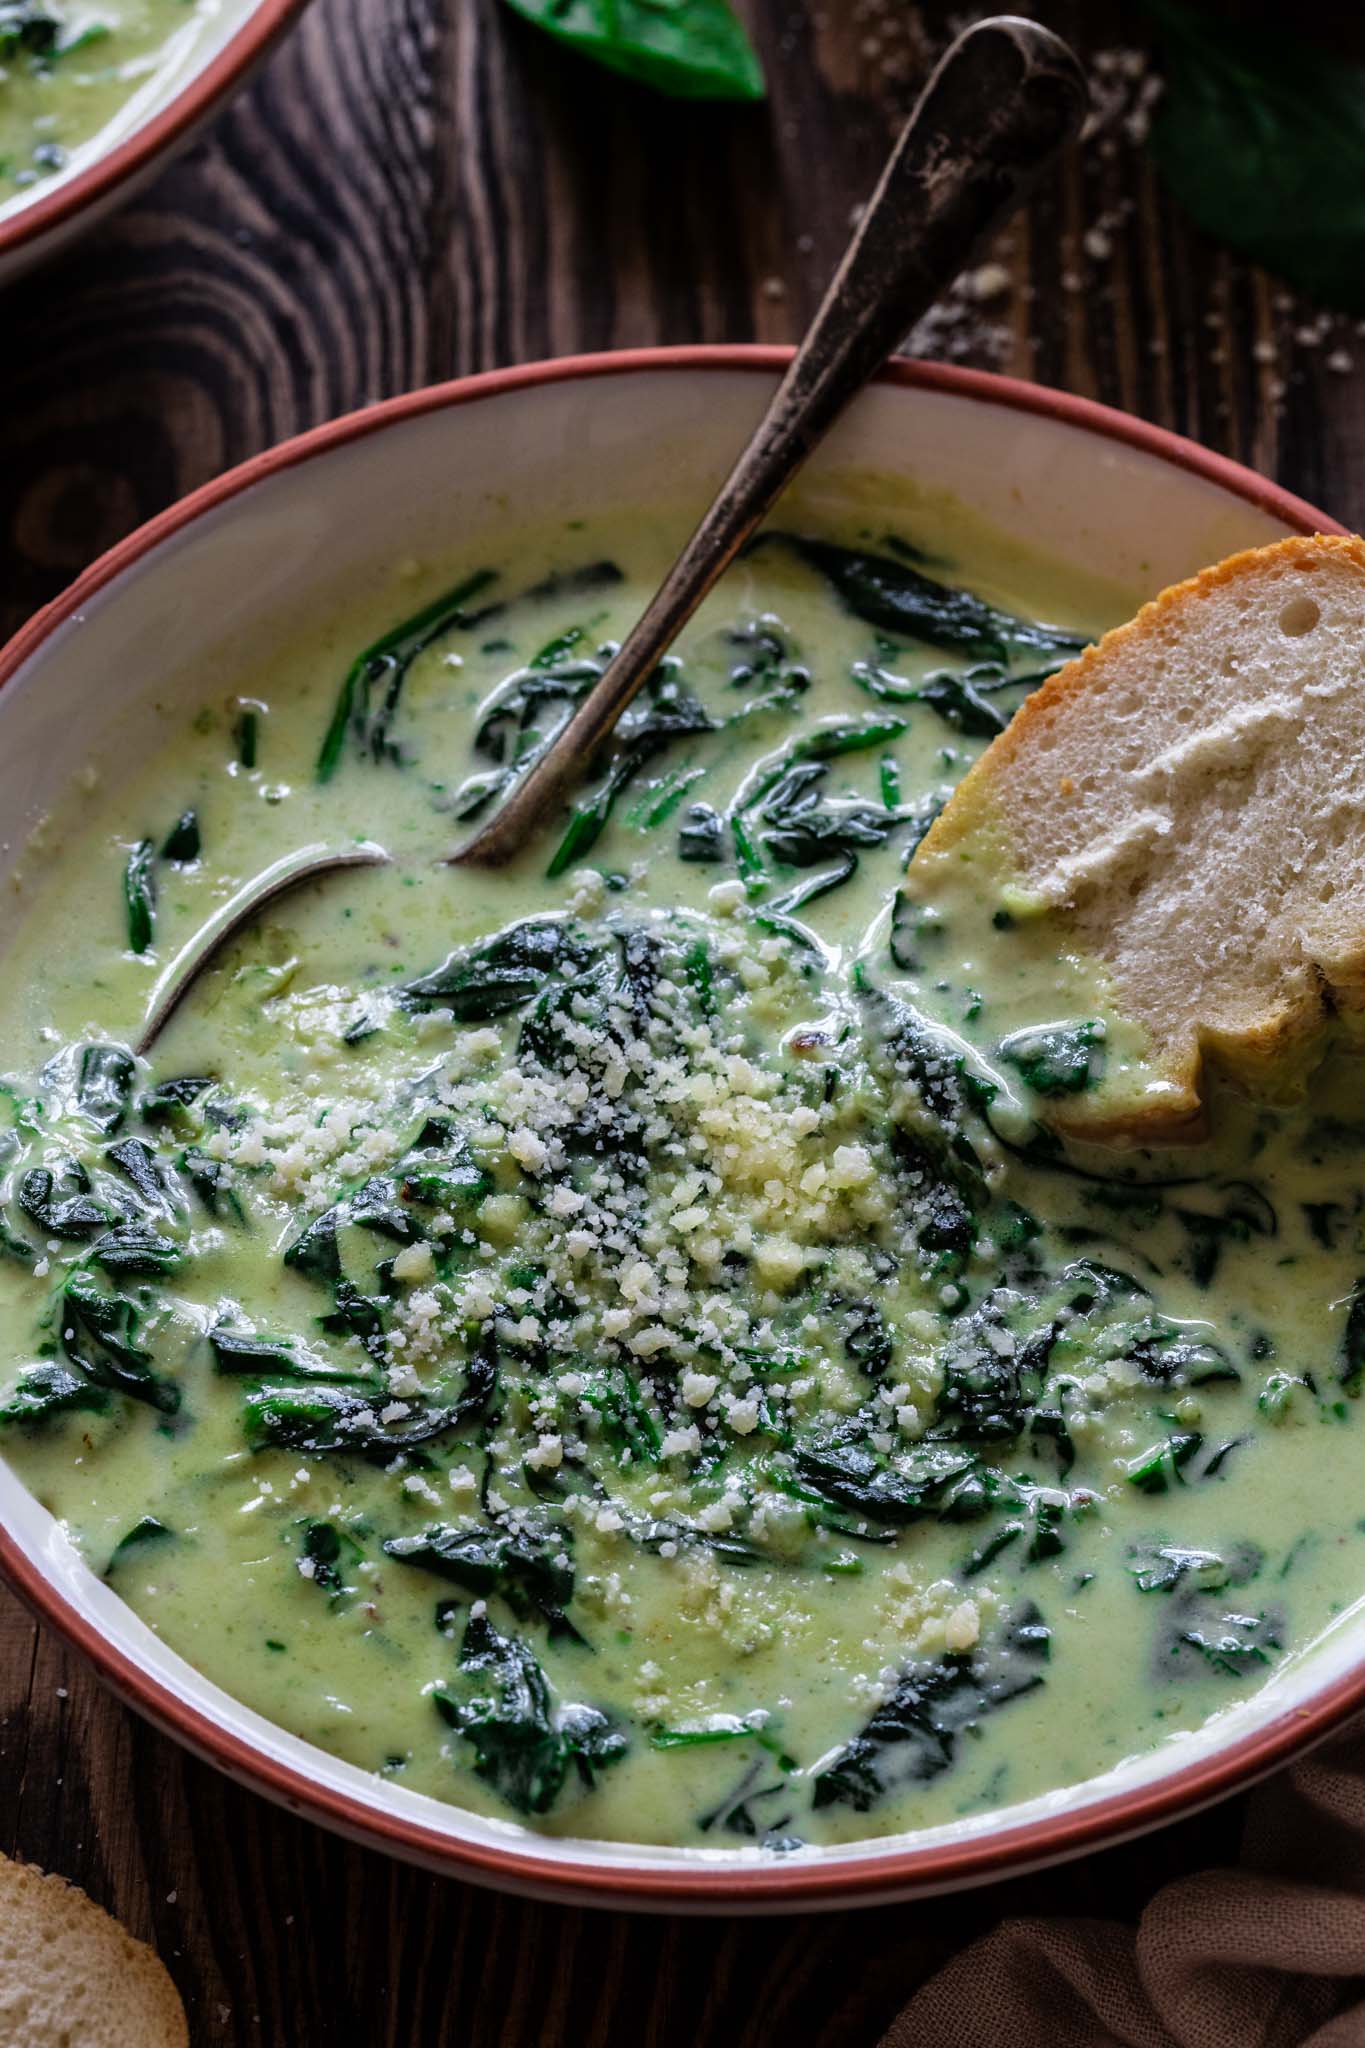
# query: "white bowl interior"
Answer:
x=230 y=579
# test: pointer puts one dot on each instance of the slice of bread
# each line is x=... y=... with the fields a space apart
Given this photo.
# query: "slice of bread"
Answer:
x=1184 y=805
x=70 y=1977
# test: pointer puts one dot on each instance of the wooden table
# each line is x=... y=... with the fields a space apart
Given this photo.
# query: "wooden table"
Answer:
x=414 y=189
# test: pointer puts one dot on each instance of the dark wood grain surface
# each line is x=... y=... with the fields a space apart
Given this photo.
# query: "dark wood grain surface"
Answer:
x=413 y=189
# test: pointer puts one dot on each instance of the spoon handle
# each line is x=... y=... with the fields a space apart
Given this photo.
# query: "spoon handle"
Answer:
x=1002 y=101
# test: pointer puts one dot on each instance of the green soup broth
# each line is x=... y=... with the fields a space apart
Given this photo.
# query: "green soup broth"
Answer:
x=75 y=79
x=611 y=1342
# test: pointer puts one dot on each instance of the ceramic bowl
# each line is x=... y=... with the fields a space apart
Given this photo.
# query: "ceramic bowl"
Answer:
x=161 y=119
x=423 y=476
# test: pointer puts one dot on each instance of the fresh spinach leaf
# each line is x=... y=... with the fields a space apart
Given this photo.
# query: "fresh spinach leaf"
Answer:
x=1260 y=134
x=689 y=49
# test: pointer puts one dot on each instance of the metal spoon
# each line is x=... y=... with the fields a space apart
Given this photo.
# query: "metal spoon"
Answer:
x=1004 y=99
x=176 y=979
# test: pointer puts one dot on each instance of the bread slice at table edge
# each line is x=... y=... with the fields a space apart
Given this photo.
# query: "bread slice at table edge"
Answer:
x=70 y=1972
x=1025 y=784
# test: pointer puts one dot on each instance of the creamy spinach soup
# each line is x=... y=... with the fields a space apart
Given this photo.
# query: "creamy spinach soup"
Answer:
x=77 y=73
x=614 y=1342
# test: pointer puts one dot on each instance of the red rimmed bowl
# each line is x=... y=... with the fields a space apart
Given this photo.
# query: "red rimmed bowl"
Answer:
x=244 y=559
x=160 y=119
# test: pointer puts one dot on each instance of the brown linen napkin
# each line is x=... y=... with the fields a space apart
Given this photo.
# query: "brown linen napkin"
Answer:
x=1269 y=1955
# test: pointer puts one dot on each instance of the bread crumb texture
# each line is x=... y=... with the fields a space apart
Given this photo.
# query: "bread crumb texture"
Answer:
x=71 y=1977
x=1184 y=802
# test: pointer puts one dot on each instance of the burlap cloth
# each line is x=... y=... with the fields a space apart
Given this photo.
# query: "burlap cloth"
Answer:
x=1269 y=1955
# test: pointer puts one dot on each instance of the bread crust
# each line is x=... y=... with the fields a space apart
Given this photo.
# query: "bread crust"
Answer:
x=1270 y=1053
x=1029 y=724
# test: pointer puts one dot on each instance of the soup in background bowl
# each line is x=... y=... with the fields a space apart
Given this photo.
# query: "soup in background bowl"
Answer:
x=93 y=98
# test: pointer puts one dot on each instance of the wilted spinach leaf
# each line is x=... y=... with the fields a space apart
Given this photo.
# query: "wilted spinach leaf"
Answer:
x=501 y=973
x=100 y=1337
x=250 y=1353
x=326 y=1554
x=1058 y=1059
x=104 y=1084
x=148 y=1530
x=28 y=27
x=1233 y=1644
x=49 y=1389
x=668 y=711
x=531 y=1569
x=912 y=1737
x=321 y=1419
x=373 y=684
x=1353 y=1340
x=133 y=1248
x=701 y=836
x=137 y=1162
x=525 y=1740
x=1161 y=1567
x=183 y=842
x=167 y=1099
x=886 y=592
x=63 y=1208
x=139 y=895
